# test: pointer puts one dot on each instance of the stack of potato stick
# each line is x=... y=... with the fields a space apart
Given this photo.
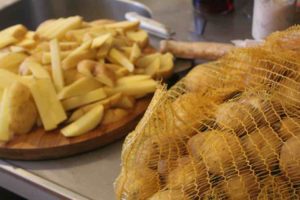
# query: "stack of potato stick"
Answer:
x=230 y=129
x=74 y=74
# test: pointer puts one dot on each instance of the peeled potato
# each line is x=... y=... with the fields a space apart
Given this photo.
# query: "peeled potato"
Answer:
x=262 y=148
x=289 y=128
x=290 y=159
x=219 y=150
x=139 y=184
x=22 y=109
x=190 y=177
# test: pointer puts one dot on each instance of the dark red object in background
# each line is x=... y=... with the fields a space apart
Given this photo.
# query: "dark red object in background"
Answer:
x=214 y=6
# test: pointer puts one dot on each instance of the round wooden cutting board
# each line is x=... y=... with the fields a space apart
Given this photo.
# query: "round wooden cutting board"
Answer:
x=41 y=145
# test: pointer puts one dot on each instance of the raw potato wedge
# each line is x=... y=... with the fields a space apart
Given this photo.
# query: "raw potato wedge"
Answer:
x=126 y=102
x=100 y=40
x=22 y=110
x=132 y=79
x=138 y=89
x=6 y=40
x=11 y=35
x=79 y=87
x=77 y=55
x=57 y=28
x=166 y=66
x=105 y=75
x=11 y=61
x=44 y=94
x=125 y=25
x=140 y=36
x=46 y=56
x=72 y=75
x=57 y=73
x=5 y=132
x=135 y=53
x=114 y=115
x=119 y=58
x=106 y=103
x=17 y=31
x=153 y=68
x=7 y=78
x=145 y=61
x=86 y=67
x=84 y=124
x=81 y=100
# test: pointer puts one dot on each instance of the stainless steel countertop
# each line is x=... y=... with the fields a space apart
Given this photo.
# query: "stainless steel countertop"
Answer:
x=91 y=175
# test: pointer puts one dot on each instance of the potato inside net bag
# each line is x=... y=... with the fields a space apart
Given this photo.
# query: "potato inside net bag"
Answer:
x=229 y=130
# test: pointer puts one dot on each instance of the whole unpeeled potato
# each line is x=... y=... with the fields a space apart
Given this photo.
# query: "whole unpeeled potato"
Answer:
x=288 y=94
x=290 y=159
x=193 y=111
x=243 y=186
x=212 y=80
x=290 y=127
x=190 y=177
x=277 y=188
x=244 y=114
x=262 y=148
x=138 y=184
x=170 y=195
x=220 y=151
x=22 y=109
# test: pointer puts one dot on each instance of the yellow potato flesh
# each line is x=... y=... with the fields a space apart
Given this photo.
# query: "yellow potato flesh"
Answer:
x=121 y=59
x=5 y=133
x=81 y=100
x=84 y=124
x=11 y=61
x=79 y=87
x=57 y=73
x=100 y=40
x=7 y=78
x=49 y=107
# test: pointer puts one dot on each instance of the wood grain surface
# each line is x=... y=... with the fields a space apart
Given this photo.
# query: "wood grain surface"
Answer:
x=41 y=145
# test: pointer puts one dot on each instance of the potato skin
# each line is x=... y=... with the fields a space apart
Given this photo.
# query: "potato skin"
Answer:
x=192 y=110
x=190 y=176
x=290 y=159
x=262 y=148
x=213 y=78
x=22 y=109
x=240 y=187
x=287 y=94
x=169 y=195
x=219 y=150
x=247 y=112
x=276 y=188
x=139 y=184
x=290 y=127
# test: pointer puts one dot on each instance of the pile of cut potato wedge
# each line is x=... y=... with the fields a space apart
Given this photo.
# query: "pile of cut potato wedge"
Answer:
x=74 y=75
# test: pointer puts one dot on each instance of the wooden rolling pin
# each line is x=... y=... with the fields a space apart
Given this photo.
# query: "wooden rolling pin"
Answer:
x=194 y=50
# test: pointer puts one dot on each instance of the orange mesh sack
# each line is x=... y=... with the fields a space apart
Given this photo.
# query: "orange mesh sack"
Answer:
x=229 y=130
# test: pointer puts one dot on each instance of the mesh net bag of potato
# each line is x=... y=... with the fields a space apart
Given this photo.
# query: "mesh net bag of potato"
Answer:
x=229 y=130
